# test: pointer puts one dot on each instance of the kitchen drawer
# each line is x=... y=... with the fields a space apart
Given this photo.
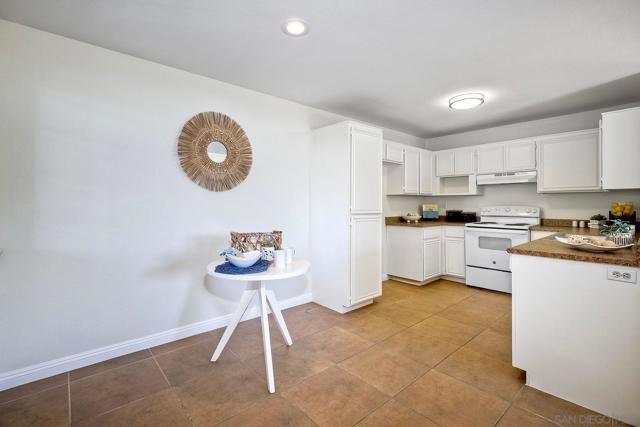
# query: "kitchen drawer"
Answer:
x=432 y=232
x=454 y=232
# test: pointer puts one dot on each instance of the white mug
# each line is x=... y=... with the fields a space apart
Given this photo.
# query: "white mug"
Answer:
x=289 y=252
x=279 y=257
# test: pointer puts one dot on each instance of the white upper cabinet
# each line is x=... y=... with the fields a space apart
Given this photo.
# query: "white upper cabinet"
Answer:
x=366 y=170
x=455 y=162
x=411 y=171
x=444 y=163
x=621 y=149
x=520 y=156
x=426 y=172
x=491 y=158
x=464 y=162
x=393 y=153
x=513 y=156
x=569 y=162
x=413 y=176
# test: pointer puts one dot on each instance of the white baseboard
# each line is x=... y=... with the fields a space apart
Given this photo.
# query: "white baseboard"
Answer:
x=454 y=279
x=68 y=363
x=433 y=279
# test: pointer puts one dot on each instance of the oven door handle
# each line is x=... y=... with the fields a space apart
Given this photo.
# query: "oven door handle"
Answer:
x=513 y=232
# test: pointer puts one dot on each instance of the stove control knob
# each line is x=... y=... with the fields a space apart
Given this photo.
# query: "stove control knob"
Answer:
x=507 y=209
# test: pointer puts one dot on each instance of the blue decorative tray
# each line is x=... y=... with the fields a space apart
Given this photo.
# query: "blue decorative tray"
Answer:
x=228 y=268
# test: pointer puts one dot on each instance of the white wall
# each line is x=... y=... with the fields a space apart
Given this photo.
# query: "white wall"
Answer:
x=105 y=238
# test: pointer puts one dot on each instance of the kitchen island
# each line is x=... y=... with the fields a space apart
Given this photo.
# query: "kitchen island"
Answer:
x=576 y=324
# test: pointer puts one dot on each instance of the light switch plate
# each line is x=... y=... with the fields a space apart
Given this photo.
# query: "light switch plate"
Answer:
x=622 y=274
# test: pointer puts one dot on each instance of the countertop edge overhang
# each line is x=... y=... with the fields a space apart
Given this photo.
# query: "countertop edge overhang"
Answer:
x=549 y=247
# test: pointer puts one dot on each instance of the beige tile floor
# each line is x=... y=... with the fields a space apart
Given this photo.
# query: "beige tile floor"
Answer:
x=437 y=355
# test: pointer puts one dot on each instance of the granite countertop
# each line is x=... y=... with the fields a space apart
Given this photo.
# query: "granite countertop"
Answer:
x=549 y=247
x=398 y=221
x=585 y=231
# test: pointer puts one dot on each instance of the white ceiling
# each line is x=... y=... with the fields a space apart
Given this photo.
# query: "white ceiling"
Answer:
x=394 y=63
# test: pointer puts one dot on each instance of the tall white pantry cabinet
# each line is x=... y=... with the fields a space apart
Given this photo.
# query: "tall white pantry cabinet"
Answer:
x=346 y=215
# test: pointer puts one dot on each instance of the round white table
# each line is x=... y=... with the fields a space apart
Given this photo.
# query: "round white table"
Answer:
x=255 y=284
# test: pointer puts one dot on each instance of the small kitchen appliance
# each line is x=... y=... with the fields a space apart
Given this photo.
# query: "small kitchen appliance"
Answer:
x=487 y=241
x=460 y=216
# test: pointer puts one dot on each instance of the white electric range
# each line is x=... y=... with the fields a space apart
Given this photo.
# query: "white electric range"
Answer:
x=486 y=243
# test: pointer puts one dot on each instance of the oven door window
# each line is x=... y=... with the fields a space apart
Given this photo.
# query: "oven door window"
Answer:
x=494 y=243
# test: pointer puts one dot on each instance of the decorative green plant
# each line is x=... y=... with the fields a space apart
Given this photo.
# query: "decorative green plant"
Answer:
x=618 y=227
x=599 y=217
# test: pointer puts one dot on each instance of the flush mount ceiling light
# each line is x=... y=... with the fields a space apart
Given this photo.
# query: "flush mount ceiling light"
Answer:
x=466 y=101
x=295 y=27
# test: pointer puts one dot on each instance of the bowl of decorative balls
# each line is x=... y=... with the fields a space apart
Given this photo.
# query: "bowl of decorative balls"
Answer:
x=590 y=243
x=411 y=217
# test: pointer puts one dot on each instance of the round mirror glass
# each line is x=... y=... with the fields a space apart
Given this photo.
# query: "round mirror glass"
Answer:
x=217 y=151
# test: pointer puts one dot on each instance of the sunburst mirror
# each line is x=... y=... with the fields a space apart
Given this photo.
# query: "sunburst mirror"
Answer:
x=214 y=151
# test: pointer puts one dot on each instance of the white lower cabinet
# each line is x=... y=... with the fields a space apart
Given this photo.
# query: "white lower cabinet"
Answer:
x=431 y=258
x=366 y=263
x=454 y=257
x=422 y=254
x=404 y=252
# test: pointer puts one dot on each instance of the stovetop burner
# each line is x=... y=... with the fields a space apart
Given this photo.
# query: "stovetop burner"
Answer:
x=518 y=224
x=486 y=222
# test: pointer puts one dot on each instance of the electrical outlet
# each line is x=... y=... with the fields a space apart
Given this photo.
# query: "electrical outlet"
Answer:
x=622 y=274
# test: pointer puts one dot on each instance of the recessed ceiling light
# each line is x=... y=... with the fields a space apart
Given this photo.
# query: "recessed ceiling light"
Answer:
x=466 y=101
x=295 y=27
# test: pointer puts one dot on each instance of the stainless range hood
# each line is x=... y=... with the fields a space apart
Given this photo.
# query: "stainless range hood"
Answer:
x=506 y=178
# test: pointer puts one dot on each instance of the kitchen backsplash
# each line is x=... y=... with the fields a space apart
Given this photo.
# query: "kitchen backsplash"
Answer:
x=565 y=205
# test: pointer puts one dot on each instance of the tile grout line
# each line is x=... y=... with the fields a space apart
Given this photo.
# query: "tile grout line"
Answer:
x=508 y=407
x=106 y=370
x=336 y=365
x=529 y=410
x=161 y=371
x=181 y=347
x=503 y=414
x=390 y=397
x=449 y=355
x=432 y=367
x=125 y=404
x=428 y=317
x=31 y=394
x=143 y=397
x=540 y=416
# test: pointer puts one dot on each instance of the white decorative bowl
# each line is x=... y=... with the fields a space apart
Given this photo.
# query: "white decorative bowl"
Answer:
x=410 y=218
x=591 y=247
x=247 y=259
